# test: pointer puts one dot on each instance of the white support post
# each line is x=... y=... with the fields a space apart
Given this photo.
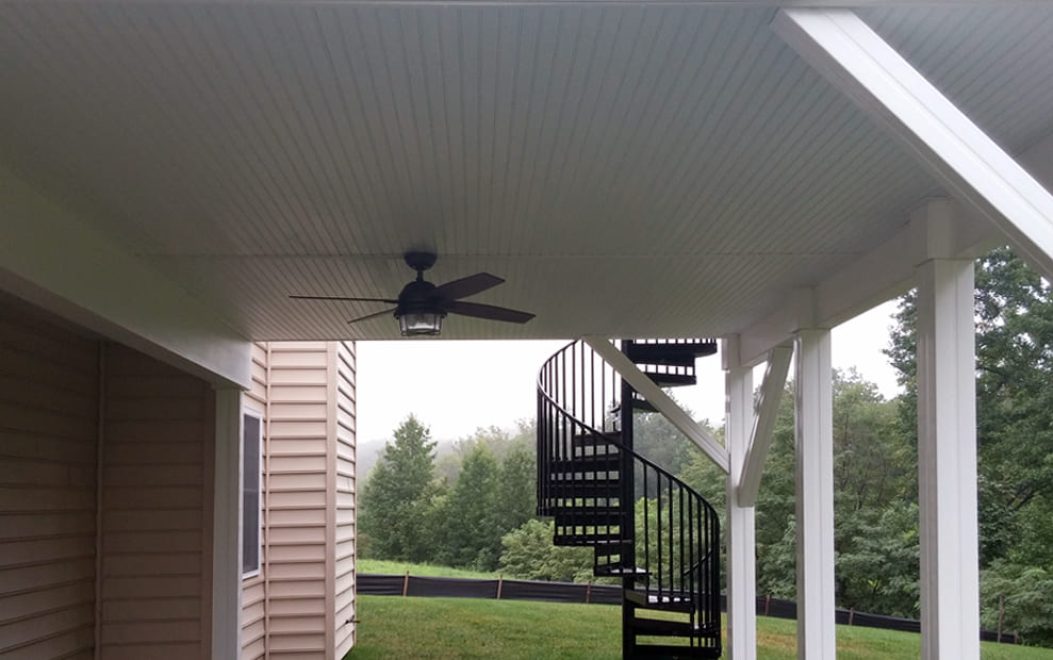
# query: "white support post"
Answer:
x=226 y=527
x=741 y=530
x=950 y=594
x=662 y=402
x=816 y=639
x=856 y=60
x=764 y=424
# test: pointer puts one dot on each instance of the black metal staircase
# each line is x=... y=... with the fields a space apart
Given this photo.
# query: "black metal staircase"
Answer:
x=646 y=526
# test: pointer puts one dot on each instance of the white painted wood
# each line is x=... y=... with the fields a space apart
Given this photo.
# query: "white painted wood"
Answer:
x=226 y=527
x=816 y=638
x=660 y=400
x=760 y=437
x=741 y=527
x=58 y=261
x=886 y=271
x=950 y=617
x=315 y=142
x=869 y=71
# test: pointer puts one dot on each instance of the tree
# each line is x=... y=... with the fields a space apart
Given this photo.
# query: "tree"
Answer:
x=516 y=500
x=528 y=553
x=471 y=529
x=397 y=497
x=1014 y=350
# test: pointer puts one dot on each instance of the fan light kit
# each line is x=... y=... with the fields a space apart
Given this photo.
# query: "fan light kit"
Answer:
x=421 y=306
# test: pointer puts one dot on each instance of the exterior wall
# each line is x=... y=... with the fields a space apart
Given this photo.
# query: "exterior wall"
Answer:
x=157 y=453
x=48 y=428
x=253 y=597
x=289 y=610
x=344 y=538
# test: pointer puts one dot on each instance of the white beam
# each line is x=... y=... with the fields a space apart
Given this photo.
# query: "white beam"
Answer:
x=816 y=637
x=226 y=526
x=950 y=615
x=844 y=49
x=647 y=388
x=879 y=275
x=741 y=524
x=58 y=261
x=763 y=424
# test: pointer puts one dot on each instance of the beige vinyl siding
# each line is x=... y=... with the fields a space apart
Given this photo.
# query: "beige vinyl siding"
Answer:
x=296 y=499
x=253 y=596
x=156 y=563
x=48 y=429
x=344 y=536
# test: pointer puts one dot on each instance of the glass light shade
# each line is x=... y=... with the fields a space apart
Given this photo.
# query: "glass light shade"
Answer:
x=415 y=324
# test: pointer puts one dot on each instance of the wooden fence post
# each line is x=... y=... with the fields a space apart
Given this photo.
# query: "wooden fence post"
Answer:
x=405 y=584
x=588 y=593
x=500 y=585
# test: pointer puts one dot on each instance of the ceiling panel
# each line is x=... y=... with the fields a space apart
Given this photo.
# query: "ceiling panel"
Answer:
x=662 y=169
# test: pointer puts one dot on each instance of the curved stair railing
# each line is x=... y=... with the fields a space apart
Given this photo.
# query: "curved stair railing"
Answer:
x=646 y=526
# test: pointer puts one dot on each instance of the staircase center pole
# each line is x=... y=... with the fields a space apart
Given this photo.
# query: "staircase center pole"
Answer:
x=628 y=506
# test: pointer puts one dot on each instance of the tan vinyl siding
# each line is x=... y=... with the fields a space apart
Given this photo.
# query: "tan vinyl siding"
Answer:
x=253 y=595
x=288 y=609
x=156 y=491
x=344 y=537
x=296 y=495
x=48 y=429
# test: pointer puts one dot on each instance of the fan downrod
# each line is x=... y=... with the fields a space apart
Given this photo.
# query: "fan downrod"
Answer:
x=420 y=261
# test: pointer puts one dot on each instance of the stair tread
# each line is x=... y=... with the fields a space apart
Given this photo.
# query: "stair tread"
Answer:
x=672 y=651
x=662 y=628
x=677 y=601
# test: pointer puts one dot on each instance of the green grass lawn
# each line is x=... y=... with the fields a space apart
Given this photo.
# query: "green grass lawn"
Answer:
x=384 y=567
x=394 y=627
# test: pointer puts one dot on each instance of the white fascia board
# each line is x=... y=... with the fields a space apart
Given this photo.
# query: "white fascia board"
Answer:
x=57 y=261
x=856 y=60
x=647 y=388
x=764 y=424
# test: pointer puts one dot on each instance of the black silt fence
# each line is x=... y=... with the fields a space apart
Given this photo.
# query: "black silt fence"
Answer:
x=572 y=592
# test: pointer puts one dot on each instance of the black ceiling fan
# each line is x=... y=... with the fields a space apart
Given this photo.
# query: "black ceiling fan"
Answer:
x=421 y=306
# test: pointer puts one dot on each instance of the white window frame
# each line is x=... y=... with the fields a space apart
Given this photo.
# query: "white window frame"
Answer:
x=248 y=411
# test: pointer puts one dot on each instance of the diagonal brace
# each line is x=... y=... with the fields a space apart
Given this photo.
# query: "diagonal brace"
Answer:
x=662 y=402
x=857 y=61
x=764 y=424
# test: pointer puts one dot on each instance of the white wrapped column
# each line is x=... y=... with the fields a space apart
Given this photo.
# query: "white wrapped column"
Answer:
x=950 y=593
x=740 y=532
x=816 y=639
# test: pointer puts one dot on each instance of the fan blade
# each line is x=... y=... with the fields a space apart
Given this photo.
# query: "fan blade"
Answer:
x=489 y=312
x=383 y=300
x=372 y=316
x=468 y=286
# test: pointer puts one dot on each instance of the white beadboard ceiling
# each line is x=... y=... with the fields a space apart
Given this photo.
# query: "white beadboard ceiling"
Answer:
x=631 y=170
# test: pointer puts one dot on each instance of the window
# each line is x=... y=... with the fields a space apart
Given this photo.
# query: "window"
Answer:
x=251 y=469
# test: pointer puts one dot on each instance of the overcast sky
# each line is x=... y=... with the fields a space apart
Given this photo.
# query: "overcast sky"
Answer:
x=457 y=386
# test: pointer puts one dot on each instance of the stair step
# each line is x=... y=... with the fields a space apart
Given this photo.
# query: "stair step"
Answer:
x=673 y=601
x=656 y=353
x=590 y=462
x=591 y=518
x=673 y=652
x=590 y=540
x=596 y=440
x=570 y=505
x=664 y=628
x=610 y=570
x=605 y=489
x=672 y=380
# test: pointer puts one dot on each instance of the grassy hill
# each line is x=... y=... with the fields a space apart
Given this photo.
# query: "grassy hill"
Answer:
x=447 y=628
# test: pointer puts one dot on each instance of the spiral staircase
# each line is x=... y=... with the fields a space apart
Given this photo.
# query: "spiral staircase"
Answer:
x=648 y=528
